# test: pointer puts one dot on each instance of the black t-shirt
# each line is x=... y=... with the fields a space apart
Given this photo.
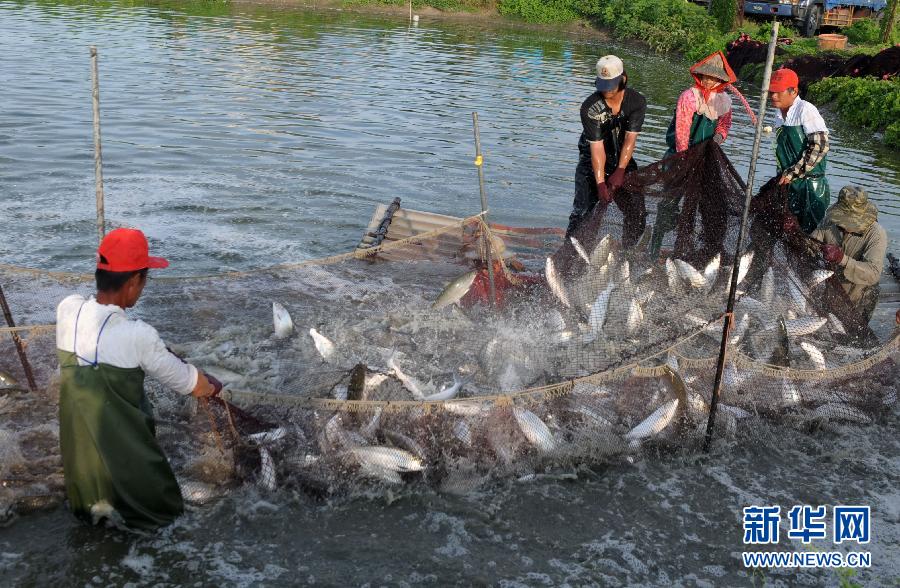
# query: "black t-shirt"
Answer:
x=600 y=124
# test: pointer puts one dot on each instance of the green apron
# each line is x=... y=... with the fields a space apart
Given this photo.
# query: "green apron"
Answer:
x=107 y=438
x=809 y=196
x=702 y=128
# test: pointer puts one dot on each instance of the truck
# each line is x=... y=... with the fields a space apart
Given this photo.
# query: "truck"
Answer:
x=810 y=15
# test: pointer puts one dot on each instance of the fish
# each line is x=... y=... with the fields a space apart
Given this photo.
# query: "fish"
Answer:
x=580 y=250
x=556 y=284
x=797 y=299
x=198 y=492
x=804 y=326
x=815 y=355
x=382 y=473
x=389 y=458
x=625 y=272
x=335 y=435
x=655 y=423
x=323 y=344
x=697 y=405
x=555 y=321
x=415 y=388
x=463 y=432
x=789 y=394
x=447 y=392
x=405 y=443
x=281 y=320
x=740 y=329
x=841 y=412
x=534 y=429
x=735 y=411
x=690 y=273
x=267 y=478
x=711 y=272
x=454 y=291
x=819 y=276
x=759 y=310
x=767 y=288
x=836 y=325
x=644 y=241
x=269 y=436
x=601 y=251
x=672 y=277
x=464 y=408
x=8 y=381
x=369 y=429
x=635 y=317
x=744 y=266
x=599 y=309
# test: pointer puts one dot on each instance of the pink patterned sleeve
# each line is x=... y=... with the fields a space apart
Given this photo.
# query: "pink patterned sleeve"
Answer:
x=684 y=116
x=724 y=125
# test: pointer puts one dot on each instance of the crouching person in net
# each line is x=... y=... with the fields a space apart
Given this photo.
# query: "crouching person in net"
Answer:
x=854 y=244
x=113 y=466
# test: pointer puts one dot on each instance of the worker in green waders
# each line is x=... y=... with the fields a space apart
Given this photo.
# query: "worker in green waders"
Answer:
x=703 y=112
x=113 y=466
x=800 y=150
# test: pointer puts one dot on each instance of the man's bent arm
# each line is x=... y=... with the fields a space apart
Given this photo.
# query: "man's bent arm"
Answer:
x=598 y=161
x=627 y=149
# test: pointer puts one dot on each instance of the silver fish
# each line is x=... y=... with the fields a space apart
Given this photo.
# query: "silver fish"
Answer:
x=798 y=300
x=534 y=429
x=405 y=443
x=371 y=427
x=580 y=250
x=836 y=325
x=555 y=284
x=759 y=310
x=672 y=277
x=598 y=310
x=389 y=458
x=804 y=326
x=690 y=273
x=744 y=266
x=819 y=276
x=815 y=355
x=267 y=477
x=198 y=492
x=601 y=251
x=454 y=291
x=625 y=272
x=767 y=288
x=789 y=394
x=635 y=317
x=448 y=392
x=464 y=408
x=656 y=422
x=323 y=344
x=711 y=272
x=414 y=386
x=740 y=329
x=8 y=381
x=382 y=473
x=842 y=412
x=269 y=436
x=462 y=432
x=281 y=319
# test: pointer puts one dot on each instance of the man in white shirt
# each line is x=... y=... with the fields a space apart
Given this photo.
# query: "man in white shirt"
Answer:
x=113 y=466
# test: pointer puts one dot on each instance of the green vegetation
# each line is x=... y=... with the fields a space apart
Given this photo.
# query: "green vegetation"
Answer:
x=864 y=31
x=867 y=102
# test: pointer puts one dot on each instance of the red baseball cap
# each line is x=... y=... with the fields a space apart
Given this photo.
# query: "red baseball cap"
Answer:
x=782 y=79
x=126 y=250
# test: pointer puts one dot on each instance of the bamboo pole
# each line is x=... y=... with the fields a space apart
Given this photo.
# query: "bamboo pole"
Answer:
x=729 y=311
x=479 y=163
x=20 y=348
x=890 y=19
x=98 y=155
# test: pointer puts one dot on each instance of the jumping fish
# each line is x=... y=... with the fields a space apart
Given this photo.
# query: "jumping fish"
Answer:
x=740 y=329
x=389 y=458
x=600 y=252
x=269 y=436
x=448 y=392
x=534 y=429
x=804 y=326
x=836 y=325
x=744 y=266
x=815 y=355
x=267 y=476
x=759 y=310
x=767 y=288
x=464 y=408
x=405 y=443
x=454 y=291
x=690 y=273
x=672 y=277
x=556 y=284
x=282 y=321
x=580 y=250
x=711 y=272
x=415 y=388
x=798 y=300
x=381 y=473
x=598 y=310
x=323 y=345
x=819 y=276
x=656 y=422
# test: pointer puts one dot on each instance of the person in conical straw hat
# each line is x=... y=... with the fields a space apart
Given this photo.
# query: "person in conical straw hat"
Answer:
x=703 y=112
x=854 y=244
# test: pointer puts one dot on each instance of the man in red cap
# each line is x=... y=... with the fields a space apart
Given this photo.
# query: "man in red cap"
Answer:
x=113 y=466
x=801 y=149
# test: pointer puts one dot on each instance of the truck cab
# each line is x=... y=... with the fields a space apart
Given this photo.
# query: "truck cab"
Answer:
x=810 y=15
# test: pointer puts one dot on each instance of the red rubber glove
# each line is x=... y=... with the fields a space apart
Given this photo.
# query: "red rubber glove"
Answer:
x=603 y=193
x=790 y=224
x=616 y=179
x=832 y=253
x=216 y=384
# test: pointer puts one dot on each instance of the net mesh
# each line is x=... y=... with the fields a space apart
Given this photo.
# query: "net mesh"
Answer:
x=598 y=351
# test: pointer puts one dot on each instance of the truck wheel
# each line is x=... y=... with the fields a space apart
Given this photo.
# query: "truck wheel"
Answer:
x=811 y=22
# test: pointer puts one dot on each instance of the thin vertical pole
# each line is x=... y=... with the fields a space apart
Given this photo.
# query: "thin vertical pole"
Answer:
x=20 y=348
x=729 y=311
x=479 y=162
x=410 y=10
x=98 y=155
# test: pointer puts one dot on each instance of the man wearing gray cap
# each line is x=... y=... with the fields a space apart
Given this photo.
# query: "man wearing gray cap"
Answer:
x=611 y=119
x=855 y=244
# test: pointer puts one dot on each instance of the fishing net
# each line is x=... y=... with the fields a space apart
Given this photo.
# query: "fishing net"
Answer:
x=597 y=351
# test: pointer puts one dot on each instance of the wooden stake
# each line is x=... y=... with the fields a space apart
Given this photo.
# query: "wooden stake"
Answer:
x=98 y=155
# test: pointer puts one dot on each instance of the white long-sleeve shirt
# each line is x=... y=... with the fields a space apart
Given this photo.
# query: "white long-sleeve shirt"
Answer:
x=124 y=342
